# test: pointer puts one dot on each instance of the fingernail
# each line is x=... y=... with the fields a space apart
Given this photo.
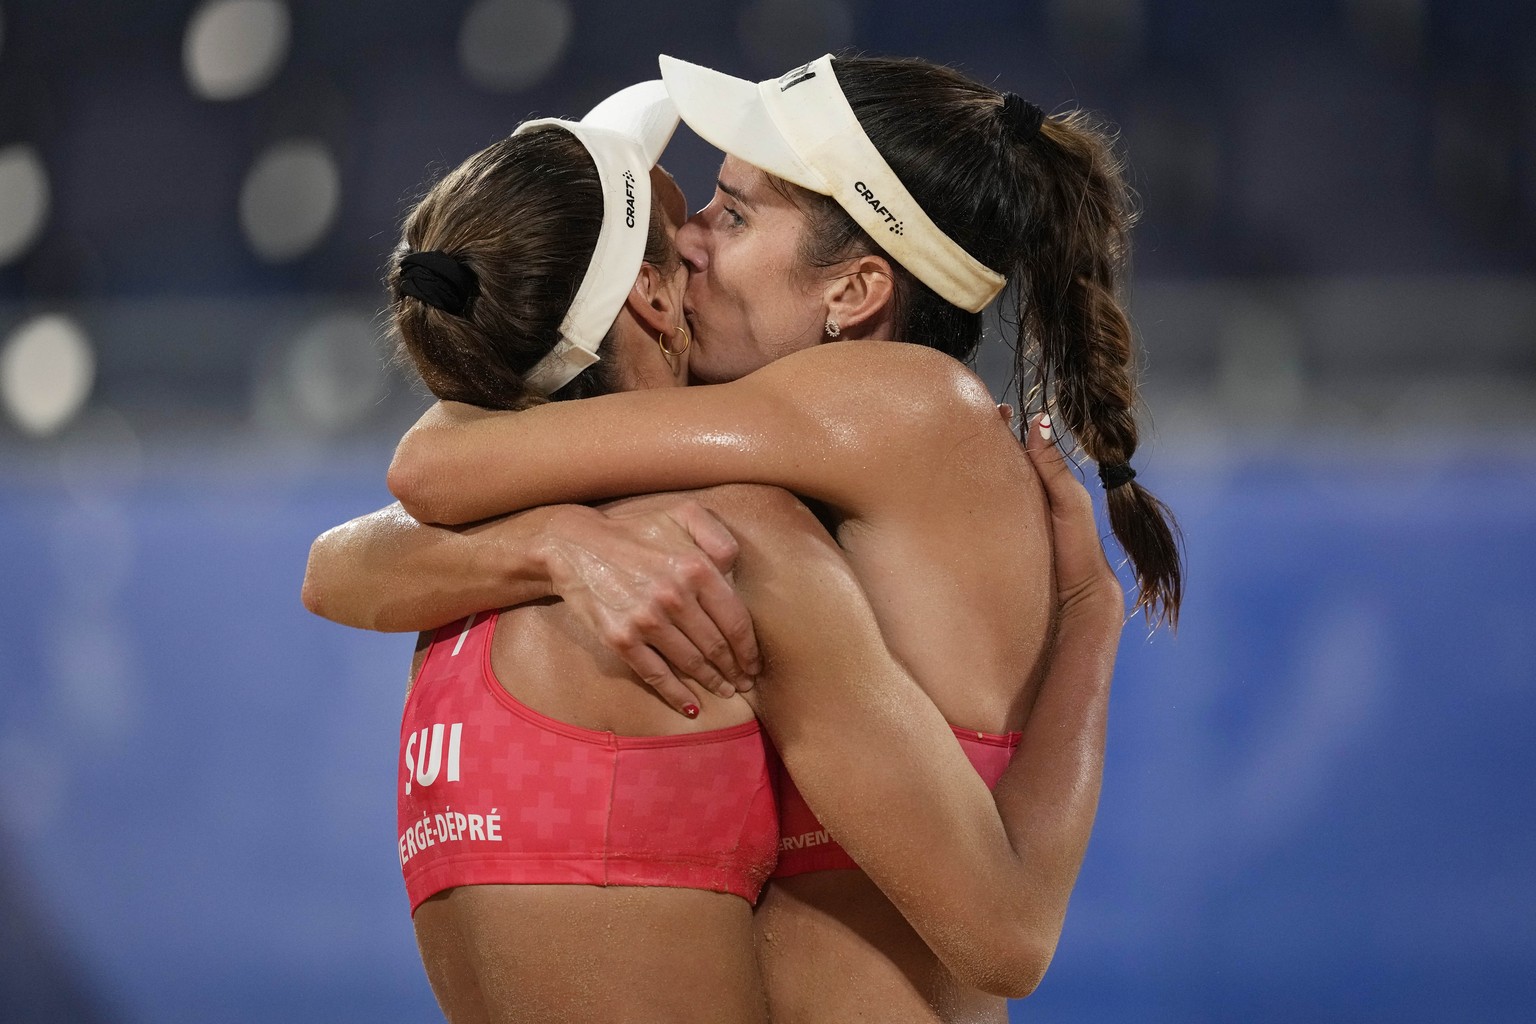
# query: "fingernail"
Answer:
x=726 y=690
x=691 y=710
x=1045 y=428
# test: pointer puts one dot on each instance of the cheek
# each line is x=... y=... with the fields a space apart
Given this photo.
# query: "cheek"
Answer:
x=773 y=307
x=730 y=271
x=760 y=279
x=751 y=307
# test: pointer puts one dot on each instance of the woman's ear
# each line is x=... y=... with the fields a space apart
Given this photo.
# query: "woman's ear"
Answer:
x=861 y=300
x=654 y=301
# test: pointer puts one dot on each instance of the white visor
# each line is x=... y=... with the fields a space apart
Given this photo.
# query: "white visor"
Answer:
x=801 y=128
x=625 y=135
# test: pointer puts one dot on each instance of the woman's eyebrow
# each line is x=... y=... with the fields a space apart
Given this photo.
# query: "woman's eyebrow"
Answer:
x=735 y=193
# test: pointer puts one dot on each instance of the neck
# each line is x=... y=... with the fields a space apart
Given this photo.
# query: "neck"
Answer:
x=881 y=326
x=637 y=356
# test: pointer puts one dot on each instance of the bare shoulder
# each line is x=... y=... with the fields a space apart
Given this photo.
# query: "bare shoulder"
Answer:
x=901 y=383
x=911 y=370
x=752 y=512
x=759 y=505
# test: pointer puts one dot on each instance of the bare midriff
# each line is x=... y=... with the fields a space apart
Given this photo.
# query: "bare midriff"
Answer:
x=573 y=954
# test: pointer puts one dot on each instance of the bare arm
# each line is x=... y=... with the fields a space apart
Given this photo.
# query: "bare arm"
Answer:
x=984 y=881
x=795 y=424
x=1049 y=794
x=385 y=571
x=650 y=585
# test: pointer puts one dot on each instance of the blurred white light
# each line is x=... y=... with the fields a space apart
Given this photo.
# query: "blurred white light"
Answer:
x=506 y=45
x=331 y=376
x=234 y=47
x=783 y=34
x=46 y=371
x=24 y=200
x=289 y=199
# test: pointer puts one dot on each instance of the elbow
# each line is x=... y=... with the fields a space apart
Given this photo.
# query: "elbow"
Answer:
x=1019 y=979
x=312 y=593
x=409 y=480
x=311 y=598
x=1012 y=966
x=324 y=591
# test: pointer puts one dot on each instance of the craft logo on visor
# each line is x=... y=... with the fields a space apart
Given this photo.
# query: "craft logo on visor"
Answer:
x=803 y=73
x=629 y=200
x=892 y=224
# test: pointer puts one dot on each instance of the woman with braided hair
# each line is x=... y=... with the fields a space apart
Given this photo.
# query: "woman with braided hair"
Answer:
x=805 y=243
x=861 y=200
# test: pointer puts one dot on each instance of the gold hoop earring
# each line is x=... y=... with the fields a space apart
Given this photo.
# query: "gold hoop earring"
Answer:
x=670 y=353
x=833 y=328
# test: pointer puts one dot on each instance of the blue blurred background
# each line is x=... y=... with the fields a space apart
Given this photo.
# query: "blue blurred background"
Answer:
x=1318 y=801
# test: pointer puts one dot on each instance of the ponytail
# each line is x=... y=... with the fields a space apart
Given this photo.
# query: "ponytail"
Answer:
x=516 y=223
x=1041 y=200
x=1076 y=340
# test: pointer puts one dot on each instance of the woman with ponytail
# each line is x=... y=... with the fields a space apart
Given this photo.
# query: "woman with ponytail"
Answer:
x=860 y=201
x=998 y=194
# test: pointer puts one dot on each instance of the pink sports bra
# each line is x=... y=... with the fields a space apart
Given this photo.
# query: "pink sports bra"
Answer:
x=804 y=845
x=493 y=793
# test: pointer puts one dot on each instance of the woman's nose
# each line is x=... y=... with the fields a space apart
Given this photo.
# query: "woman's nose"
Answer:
x=690 y=244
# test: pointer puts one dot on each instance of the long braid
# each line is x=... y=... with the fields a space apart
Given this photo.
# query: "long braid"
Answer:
x=1044 y=202
x=1079 y=340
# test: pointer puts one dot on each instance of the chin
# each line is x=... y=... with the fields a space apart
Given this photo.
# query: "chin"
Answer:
x=708 y=364
x=696 y=377
x=703 y=371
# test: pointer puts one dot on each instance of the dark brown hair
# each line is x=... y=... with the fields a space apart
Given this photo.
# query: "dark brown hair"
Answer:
x=1053 y=214
x=523 y=214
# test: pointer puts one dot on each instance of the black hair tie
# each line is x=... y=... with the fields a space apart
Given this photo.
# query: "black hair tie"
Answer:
x=1116 y=474
x=1021 y=117
x=439 y=280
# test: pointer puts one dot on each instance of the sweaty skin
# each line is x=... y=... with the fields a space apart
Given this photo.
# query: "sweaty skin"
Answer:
x=942 y=520
x=652 y=586
x=848 y=721
x=650 y=583
x=749 y=300
x=937 y=509
x=941 y=517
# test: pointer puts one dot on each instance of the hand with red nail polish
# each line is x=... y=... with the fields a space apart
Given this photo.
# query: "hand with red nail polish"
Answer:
x=651 y=586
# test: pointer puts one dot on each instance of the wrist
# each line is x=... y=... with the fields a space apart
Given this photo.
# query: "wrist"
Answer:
x=559 y=527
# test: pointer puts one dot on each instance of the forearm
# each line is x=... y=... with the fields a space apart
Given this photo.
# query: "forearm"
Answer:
x=385 y=571
x=460 y=463
x=791 y=425
x=851 y=726
x=1046 y=802
x=1049 y=795
x=449 y=467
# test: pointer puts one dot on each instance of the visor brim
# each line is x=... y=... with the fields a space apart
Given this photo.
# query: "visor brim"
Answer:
x=729 y=114
x=643 y=112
